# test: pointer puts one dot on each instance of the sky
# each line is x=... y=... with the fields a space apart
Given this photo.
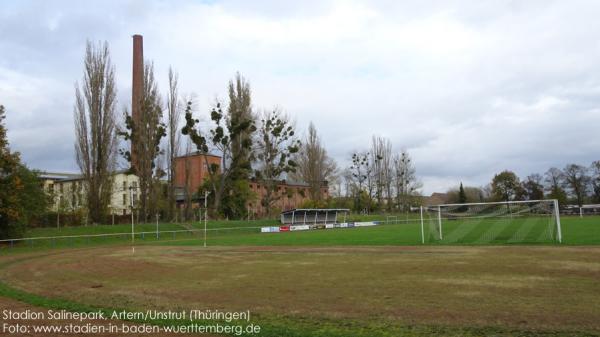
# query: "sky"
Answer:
x=468 y=88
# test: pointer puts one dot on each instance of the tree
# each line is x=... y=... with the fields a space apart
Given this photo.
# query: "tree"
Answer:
x=221 y=179
x=533 y=188
x=506 y=186
x=405 y=180
x=145 y=135
x=173 y=117
x=471 y=194
x=381 y=159
x=239 y=112
x=595 y=179
x=95 y=128
x=314 y=165
x=577 y=180
x=462 y=196
x=275 y=147
x=21 y=195
x=554 y=181
x=361 y=171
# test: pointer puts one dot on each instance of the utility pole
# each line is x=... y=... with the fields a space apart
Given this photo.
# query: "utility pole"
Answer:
x=58 y=213
x=131 y=203
x=157 y=226
x=205 y=214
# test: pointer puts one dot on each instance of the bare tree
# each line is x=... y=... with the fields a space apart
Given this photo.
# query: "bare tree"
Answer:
x=595 y=169
x=554 y=182
x=275 y=146
x=361 y=171
x=405 y=179
x=145 y=135
x=315 y=167
x=577 y=180
x=532 y=187
x=187 y=177
x=95 y=128
x=381 y=157
x=220 y=138
x=173 y=118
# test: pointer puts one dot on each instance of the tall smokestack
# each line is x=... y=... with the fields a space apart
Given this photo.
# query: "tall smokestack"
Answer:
x=137 y=86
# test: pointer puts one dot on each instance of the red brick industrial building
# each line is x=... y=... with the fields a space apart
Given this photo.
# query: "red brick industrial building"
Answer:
x=192 y=170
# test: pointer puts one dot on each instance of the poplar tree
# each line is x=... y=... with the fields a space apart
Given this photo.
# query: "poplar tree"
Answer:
x=95 y=129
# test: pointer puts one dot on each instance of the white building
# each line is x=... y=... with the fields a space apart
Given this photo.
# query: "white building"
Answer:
x=66 y=191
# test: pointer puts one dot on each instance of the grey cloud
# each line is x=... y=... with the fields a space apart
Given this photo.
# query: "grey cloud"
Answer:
x=469 y=89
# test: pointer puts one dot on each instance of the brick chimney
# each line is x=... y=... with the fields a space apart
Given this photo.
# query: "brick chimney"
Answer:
x=137 y=86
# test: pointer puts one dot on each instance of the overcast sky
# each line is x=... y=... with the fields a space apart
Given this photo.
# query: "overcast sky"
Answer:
x=469 y=88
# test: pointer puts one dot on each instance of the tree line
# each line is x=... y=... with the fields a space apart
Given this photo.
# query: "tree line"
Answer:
x=261 y=146
x=574 y=184
x=378 y=179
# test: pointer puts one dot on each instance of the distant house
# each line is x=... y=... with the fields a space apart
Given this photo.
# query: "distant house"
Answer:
x=289 y=195
x=66 y=191
x=435 y=199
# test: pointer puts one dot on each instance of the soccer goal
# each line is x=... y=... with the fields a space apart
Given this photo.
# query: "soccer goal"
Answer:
x=589 y=209
x=391 y=219
x=533 y=221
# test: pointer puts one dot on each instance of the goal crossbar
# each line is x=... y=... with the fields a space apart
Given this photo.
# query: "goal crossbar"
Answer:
x=495 y=203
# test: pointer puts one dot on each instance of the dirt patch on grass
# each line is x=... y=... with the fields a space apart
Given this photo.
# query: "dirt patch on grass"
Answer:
x=576 y=265
x=495 y=281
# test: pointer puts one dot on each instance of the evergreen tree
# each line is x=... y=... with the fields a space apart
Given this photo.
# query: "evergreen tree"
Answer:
x=462 y=196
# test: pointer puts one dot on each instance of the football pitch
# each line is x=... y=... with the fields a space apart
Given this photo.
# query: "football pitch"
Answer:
x=330 y=291
x=406 y=231
x=369 y=281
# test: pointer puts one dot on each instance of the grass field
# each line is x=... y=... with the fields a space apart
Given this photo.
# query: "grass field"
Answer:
x=332 y=291
x=368 y=281
x=576 y=231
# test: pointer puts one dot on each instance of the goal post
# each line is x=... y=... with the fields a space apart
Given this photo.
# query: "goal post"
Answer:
x=531 y=221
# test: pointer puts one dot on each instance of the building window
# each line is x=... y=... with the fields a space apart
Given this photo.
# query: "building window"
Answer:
x=124 y=185
x=124 y=199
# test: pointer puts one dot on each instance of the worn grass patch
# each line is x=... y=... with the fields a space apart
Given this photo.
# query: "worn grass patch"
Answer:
x=339 y=290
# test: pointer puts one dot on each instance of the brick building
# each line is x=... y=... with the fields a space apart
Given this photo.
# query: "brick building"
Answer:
x=191 y=171
x=291 y=195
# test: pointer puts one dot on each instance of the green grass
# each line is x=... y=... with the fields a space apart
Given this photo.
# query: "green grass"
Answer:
x=576 y=231
x=99 y=229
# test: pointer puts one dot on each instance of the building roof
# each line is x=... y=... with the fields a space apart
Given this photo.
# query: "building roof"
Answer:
x=64 y=177
x=198 y=154
x=315 y=210
x=436 y=198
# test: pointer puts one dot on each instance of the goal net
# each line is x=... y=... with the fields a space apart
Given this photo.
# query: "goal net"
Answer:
x=535 y=221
